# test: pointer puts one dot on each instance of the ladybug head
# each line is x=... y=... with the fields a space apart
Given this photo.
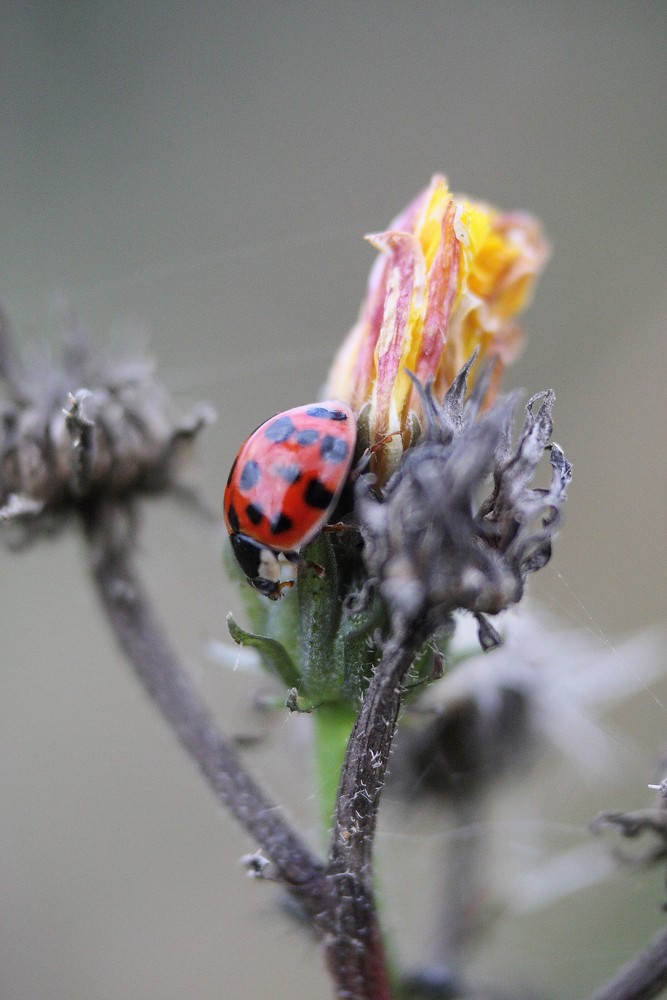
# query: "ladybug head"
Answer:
x=259 y=564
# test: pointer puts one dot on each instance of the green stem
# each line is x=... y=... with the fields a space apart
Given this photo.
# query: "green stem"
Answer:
x=333 y=725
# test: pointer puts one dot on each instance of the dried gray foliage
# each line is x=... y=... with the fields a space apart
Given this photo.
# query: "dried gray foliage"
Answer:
x=77 y=427
x=433 y=542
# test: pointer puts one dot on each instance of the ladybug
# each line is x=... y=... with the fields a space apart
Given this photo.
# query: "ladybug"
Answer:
x=284 y=486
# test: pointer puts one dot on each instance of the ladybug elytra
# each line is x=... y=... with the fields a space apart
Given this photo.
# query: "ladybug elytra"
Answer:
x=284 y=486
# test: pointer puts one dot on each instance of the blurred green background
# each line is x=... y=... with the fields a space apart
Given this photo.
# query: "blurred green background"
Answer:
x=200 y=175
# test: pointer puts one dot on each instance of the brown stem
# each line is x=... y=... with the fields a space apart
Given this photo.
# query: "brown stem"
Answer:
x=355 y=948
x=167 y=682
x=643 y=977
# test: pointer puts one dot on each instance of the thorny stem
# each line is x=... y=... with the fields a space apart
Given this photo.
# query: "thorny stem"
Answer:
x=643 y=977
x=167 y=682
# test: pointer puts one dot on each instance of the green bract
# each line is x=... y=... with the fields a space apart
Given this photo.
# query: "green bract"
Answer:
x=311 y=639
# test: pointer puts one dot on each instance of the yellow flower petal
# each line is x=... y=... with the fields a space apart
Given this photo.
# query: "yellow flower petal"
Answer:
x=452 y=276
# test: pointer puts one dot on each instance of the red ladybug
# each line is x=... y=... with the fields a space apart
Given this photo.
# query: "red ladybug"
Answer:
x=284 y=485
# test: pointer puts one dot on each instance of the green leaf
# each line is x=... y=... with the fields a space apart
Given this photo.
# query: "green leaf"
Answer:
x=274 y=656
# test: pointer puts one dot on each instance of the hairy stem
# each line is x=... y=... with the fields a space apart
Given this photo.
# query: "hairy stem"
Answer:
x=168 y=683
x=355 y=948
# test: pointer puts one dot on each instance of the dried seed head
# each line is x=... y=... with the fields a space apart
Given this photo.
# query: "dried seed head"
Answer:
x=80 y=427
x=431 y=541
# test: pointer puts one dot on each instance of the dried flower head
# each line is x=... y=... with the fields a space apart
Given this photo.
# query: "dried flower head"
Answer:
x=81 y=427
x=431 y=541
x=452 y=276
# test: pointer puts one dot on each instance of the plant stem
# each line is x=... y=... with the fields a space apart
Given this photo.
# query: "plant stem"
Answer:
x=355 y=949
x=168 y=683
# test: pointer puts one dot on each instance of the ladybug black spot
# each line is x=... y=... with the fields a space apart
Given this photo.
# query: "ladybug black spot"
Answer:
x=280 y=429
x=317 y=495
x=281 y=523
x=322 y=413
x=255 y=513
x=250 y=476
x=233 y=518
x=309 y=436
x=334 y=449
x=289 y=473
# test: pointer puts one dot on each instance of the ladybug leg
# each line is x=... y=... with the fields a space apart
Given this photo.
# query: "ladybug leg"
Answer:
x=337 y=527
x=296 y=560
x=366 y=455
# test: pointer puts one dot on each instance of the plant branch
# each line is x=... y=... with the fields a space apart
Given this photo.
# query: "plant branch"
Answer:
x=157 y=666
x=367 y=755
x=355 y=948
x=643 y=977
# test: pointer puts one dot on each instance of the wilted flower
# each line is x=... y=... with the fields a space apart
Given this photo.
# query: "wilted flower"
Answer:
x=77 y=427
x=431 y=542
x=451 y=278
